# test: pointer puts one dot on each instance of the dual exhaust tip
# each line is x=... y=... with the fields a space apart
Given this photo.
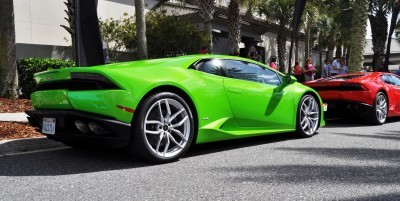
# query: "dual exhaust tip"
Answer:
x=91 y=127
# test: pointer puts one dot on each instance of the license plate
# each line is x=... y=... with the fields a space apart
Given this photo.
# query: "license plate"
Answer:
x=325 y=107
x=49 y=126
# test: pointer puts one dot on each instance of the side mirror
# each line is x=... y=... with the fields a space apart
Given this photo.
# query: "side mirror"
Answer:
x=288 y=79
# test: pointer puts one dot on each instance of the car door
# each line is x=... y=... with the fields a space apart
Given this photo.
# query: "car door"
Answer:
x=257 y=97
x=395 y=86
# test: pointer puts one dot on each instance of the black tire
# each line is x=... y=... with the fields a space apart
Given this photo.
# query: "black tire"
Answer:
x=379 y=110
x=154 y=131
x=308 y=116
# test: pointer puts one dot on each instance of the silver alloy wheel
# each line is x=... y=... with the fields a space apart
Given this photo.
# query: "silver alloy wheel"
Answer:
x=167 y=128
x=381 y=108
x=309 y=115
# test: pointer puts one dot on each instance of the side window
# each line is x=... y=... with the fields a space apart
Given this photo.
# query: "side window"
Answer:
x=394 y=80
x=269 y=77
x=211 y=66
x=248 y=71
x=385 y=79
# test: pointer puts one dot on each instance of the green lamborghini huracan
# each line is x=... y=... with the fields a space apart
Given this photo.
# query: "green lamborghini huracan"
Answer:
x=158 y=108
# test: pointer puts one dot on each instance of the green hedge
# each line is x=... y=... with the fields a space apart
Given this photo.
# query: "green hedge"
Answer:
x=27 y=67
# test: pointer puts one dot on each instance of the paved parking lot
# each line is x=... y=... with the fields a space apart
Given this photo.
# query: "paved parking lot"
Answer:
x=345 y=161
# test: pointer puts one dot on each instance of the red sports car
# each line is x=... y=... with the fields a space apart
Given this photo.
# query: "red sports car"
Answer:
x=373 y=95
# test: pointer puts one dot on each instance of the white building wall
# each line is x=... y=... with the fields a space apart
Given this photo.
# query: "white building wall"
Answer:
x=271 y=49
x=38 y=21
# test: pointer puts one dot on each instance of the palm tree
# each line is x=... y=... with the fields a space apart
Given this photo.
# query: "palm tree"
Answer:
x=343 y=21
x=324 y=29
x=8 y=64
x=70 y=11
x=378 y=11
x=309 y=21
x=141 y=29
x=234 y=26
x=397 y=31
x=280 y=11
x=359 y=25
x=207 y=10
x=234 y=23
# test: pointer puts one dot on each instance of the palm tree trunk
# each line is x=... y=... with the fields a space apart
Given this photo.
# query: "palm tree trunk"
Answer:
x=8 y=64
x=379 y=29
x=357 y=43
x=207 y=10
x=321 y=63
x=339 y=50
x=307 y=43
x=141 y=30
x=296 y=45
x=234 y=26
x=331 y=46
x=281 y=39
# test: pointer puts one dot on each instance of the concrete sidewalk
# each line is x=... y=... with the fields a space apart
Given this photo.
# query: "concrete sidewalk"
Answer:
x=8 y=147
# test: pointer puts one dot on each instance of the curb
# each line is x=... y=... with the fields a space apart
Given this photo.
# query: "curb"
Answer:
x=28 y=145
x=20 y=117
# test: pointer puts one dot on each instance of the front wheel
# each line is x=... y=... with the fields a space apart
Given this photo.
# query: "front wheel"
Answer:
x=308 y=116
x=380 y=109
x=163 y=128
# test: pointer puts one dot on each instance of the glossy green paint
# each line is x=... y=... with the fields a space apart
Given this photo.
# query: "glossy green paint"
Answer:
x=51 y=99
x=226 y=108
x=103 y=102
x=271 y=106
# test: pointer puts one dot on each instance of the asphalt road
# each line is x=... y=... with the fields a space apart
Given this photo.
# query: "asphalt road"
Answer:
x=345 y=161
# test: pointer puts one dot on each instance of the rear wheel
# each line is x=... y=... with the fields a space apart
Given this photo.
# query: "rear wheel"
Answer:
x=308 y=116
x=380 y=109
x=163 y=128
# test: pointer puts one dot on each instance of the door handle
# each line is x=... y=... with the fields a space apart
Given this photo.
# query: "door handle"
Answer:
x=236 y=91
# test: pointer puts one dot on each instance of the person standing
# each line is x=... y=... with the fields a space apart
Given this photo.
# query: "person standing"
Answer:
x=297 y=71
x=309 y=70
x=329 y=67
x=325 y=69
x=273 y=63
x=253 y=54
x=398 y=71
x=336 y=66
x=345 y=69
x=203 y=49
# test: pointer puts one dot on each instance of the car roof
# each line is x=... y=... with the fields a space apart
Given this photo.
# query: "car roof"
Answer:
x=180 y=61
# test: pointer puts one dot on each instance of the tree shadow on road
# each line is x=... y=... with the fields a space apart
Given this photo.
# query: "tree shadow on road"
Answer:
x=66 y=162
x=383 y=169
x=355 y=122
x=389 y=135
x=76 y=161
x=208 y=148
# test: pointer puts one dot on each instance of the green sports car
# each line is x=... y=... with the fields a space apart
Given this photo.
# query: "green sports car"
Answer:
x=158 y=108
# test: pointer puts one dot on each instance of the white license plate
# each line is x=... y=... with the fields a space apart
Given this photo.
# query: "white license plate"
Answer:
x=325 y=107
x=49 y=126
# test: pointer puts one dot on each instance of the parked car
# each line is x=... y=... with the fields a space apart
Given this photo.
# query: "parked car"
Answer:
x=374 y=95
x=158 y=108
